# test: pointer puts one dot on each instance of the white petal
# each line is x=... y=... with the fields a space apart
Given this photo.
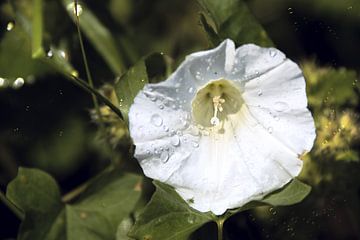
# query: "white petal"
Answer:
x=234 y=168
x=277 y=99
x=252 y=61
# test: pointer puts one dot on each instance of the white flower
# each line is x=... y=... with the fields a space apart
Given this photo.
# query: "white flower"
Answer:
x=227 y=127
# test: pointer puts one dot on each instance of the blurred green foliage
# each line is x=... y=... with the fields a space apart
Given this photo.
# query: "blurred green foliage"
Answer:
x=45 y=121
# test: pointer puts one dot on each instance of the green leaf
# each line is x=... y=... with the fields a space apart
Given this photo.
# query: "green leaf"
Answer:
x=232 y=19
x=152 y=68
x=167 y=216
x=37 y=29
x=98 y=35
x=17 y=43
x=38 y=195
x=294 y=192
x=94 y=215
x=129 y=85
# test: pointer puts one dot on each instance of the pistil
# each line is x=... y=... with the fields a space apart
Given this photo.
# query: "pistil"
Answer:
x=217 y=103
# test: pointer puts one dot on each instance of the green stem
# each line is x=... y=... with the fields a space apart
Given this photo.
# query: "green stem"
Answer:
x=220 y=227
x=18 y=212
x=87 y=70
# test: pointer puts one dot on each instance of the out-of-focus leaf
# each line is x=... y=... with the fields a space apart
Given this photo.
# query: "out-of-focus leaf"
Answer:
x=294 y=192
x=94 y=215
x=37 y=194
x=232 y=19
x=123 y=228
x=167 y=216
x=57 y=59
x=329 y=86
x=98 y=35
x=15 y=57
x=37 y=29
x=151 y=69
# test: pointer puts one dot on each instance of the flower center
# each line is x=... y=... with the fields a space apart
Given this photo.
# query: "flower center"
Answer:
x=214 y=102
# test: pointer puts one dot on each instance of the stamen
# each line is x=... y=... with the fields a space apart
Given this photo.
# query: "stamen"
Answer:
x=217 y=102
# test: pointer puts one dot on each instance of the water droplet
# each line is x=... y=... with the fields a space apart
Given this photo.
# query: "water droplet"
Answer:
x=156 y=120
x=179 y=133
x=191 y=89
x=290 y=10
x=49 y=53
x=166 y=128
x=195 y=144
x=76 y=10
x=164 y=156
x=74 y=73
x=270 y=130
x=2 y=82
x=276 y=118
x=10 y=26
x=191 y=219
x=259 y=92
x=148 y=152
x=272 y=211
x=175 y=141
x=18 y=83
x=272 y=53
x=62 y=54
x=198 y=75
x=280 y=106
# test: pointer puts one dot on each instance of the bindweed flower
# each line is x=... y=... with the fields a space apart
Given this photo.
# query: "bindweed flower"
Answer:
x=227 y=127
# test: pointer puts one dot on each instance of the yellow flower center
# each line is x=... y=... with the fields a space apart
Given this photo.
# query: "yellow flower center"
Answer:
x=214 y=102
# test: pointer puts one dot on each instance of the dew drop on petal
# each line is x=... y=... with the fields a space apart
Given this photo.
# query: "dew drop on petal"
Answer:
x=195 y=144
x=175 y=141
x=272 y=53
x=161 y=106
x=164 y=156
x=156 y=120
x=259 y=92
x=270 y=130
x=166 y=128
x=280 y=106
x=191 y=89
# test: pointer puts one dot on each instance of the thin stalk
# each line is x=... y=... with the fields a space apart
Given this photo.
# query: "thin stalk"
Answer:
x=87 y=70
x=18 y=212
x=220 y=227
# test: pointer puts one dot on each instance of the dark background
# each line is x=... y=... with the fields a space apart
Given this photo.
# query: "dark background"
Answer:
x=47 y=124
